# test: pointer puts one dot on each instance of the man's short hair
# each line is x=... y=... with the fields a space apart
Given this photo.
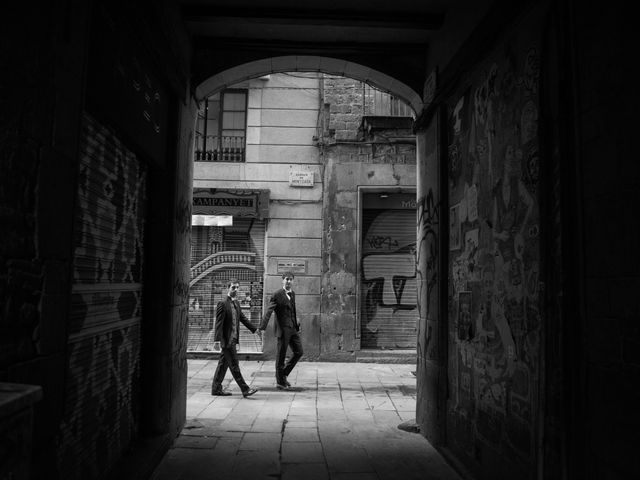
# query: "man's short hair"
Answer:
x=288 y=274
x=231 y=281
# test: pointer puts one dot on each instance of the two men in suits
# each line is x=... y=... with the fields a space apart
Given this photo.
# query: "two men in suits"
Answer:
x=287 y=329
x=226 y=331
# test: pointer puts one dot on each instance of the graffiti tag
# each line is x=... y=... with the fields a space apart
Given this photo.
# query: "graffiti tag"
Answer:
x=379 y=242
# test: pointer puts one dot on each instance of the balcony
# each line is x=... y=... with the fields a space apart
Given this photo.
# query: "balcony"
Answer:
x=220 y=149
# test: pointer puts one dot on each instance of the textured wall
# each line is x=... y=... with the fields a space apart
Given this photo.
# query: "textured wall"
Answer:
x=175 y=354
x=430 y=361
x=39 y=128
x=348 y=167
x=495 y=296
x=46 y=49
x=345 y=98
x=101 y=415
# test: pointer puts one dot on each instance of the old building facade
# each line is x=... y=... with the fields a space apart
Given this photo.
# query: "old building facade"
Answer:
x=296 y=183
x=526 y=253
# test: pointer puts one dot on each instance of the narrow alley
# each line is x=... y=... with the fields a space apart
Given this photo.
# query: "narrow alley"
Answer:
x=450 y=185
x=342 y=424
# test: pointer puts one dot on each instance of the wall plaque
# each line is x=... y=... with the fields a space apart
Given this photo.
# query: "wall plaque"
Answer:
x=293 y=265
x=298 y=177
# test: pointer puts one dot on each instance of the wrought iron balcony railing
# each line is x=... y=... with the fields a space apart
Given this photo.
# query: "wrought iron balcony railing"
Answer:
x=220 y=149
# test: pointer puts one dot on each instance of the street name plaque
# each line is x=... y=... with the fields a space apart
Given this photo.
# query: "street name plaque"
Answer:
x=293 y=265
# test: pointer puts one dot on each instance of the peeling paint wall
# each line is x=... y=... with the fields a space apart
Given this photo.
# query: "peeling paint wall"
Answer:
x=495 y=299
x=348 y=167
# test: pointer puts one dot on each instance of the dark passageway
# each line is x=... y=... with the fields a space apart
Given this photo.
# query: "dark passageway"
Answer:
x=519 y=318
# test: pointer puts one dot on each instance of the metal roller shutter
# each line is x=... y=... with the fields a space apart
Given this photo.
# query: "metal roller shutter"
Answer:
x=218 y=254
x=103 y=363
x=388 y=307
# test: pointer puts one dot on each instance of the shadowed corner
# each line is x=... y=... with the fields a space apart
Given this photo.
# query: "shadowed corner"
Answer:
x=410 y=426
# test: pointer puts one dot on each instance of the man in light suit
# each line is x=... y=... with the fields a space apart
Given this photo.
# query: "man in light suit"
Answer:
x=228 y=318
x=287 y=329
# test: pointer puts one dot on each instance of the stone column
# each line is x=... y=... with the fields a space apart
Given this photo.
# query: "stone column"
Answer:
x=431 y=375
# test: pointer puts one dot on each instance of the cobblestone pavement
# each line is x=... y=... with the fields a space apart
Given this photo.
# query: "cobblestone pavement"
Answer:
x=341 y=423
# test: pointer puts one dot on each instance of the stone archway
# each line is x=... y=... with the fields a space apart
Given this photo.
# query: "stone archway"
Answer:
x=304 y=63
x=238 y=77
x=428 y=194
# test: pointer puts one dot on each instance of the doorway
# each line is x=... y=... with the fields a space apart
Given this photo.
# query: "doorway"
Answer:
x=388 y=289
x=218 y=254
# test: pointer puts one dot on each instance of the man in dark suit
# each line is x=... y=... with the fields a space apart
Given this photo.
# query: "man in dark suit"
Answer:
x=287 y=329
x=228 y=318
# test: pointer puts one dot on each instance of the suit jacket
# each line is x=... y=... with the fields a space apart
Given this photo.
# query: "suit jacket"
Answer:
x=286 y=321
x=224 y=322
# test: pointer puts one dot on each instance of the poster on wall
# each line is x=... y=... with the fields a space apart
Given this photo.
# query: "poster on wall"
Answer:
x=494 y=194
x=455 y=234
x=472 y=203
x=464 y=316
x=471 y=244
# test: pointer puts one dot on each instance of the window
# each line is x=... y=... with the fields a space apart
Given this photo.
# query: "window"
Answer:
x=378 y=103
x=221 y=127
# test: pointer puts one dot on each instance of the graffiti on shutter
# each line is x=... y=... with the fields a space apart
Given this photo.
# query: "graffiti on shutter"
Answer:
x=103 y=363
x=388 y=279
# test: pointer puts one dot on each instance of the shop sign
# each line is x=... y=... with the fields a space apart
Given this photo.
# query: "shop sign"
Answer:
x=390 y=200
x=216 y=202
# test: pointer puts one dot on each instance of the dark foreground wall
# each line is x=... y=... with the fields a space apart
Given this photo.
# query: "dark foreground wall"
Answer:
x=496 y=303
x=43 y=67
x=607 y=339
x=95 y=193
x=538 y=191
x=480 y=256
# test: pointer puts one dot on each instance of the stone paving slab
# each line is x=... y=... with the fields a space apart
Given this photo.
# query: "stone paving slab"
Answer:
x=262 y=464
x=353 y=459
x=341 y=423
x=261 y=441
x=190 y=441
x=306 y=471
x=267 y=426
x=307 y=452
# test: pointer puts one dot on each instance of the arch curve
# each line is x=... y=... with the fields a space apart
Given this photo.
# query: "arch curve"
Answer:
x=309 y=63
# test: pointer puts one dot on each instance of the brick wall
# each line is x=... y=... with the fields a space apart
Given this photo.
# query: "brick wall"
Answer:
x=345 y=97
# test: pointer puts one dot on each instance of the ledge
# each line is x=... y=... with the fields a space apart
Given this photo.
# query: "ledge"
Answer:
x=15 y=397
